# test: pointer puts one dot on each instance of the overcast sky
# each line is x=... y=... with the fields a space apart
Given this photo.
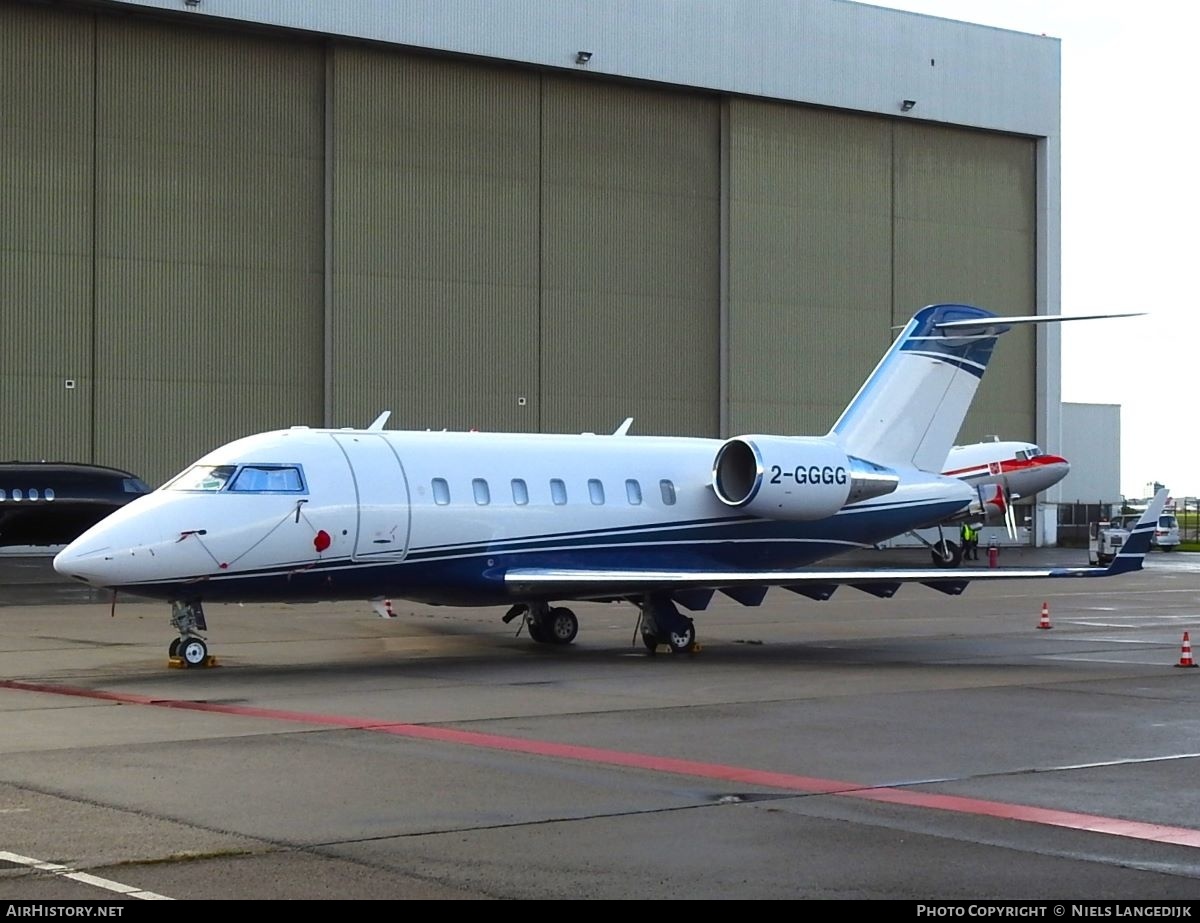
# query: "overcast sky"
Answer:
x=1130 y=210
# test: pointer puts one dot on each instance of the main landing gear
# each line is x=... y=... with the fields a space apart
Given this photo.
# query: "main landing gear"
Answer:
x=546 y=624
x=662 y=623
x=187 y=617
x=944 y=552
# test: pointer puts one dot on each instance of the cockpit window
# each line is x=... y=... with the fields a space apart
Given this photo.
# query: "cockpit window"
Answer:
x=274 y=479
x=203 y=477
x=1022 y=455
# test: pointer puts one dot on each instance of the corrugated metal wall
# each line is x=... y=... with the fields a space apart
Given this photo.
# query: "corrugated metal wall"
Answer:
x=463 y=243
x=209 y=165
x=965 y=231
x=843 y=226
x=630 y=259
x=46 y=233
x=810 y=263
x=435 y=266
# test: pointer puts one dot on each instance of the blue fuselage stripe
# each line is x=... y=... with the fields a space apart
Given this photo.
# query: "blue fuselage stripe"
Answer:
x=473 y=574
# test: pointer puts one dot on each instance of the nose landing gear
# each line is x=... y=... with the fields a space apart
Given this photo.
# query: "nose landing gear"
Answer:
x=189 y=649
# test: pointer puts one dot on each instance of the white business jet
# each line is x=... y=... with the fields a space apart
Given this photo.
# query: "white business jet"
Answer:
x=528 y=520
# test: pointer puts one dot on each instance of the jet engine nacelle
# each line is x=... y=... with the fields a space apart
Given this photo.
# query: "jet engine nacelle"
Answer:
x=781 y=477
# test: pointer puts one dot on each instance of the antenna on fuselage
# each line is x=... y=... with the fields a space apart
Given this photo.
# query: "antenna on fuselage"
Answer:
x=378 y=423
x=623 y=429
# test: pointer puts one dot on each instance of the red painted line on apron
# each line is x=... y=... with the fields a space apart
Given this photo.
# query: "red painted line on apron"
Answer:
x=1161 y=833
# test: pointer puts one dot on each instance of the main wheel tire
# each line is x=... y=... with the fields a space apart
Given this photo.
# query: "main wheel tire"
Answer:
x=194 y=652
x=173 y=649
x=563 y=625
x=682 y=642
x=537 y=631
x=946 y=554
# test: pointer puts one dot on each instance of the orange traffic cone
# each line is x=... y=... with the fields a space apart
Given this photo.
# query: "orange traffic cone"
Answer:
x=1185 y=653
x=1045 y=622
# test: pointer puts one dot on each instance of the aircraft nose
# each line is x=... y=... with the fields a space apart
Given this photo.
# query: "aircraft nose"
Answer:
x=91 y=564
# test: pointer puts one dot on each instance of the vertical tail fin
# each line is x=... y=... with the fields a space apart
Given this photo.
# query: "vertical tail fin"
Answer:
x=910 y=409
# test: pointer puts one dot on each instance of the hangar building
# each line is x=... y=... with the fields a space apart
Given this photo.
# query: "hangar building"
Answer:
x=223 y=216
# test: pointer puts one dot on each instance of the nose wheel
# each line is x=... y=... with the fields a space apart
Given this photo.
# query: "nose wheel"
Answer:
x=189 y=649
x=194 y=652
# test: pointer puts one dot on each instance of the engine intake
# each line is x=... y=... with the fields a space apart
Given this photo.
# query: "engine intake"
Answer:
x=782 y=477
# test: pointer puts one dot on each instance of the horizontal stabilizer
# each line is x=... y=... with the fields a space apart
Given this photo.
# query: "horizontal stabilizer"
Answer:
x=911 y=408
x=985 y=325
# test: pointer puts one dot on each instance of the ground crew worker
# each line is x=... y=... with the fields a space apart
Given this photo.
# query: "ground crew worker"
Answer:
x=970 y=542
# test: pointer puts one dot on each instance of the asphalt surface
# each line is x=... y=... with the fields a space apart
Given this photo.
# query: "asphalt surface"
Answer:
x=923 y=747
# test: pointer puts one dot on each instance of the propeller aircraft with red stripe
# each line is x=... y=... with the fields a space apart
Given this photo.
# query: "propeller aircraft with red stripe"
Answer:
x=1001 y=472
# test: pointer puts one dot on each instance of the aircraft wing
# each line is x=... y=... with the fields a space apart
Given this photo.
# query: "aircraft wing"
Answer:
x=816 y=582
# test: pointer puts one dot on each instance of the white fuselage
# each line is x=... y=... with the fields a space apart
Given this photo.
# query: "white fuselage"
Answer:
x=439 y=516
x=1021 y=468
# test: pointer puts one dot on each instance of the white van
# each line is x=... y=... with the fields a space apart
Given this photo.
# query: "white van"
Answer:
x=1166 y=533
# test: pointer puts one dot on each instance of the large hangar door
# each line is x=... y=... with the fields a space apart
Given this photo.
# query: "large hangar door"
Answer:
x=208 y=238
x=810 y=203
x=46 y=377
x=630 y=267
x=434 y=241
x=966 y=230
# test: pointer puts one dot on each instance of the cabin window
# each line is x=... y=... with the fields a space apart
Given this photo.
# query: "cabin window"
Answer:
x=441 y=492
x=558 y=492
x=633 y=490
x=668 y=492
x=33 y=493
x=520 y=492
x=483 y=496
x=48 y=493
x=269 y=479
x=3 y=495
x=17 y=495
x=203 y=477
x=596 y=491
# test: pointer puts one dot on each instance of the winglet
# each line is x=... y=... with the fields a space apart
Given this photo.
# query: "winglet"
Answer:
x=1133 y=552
